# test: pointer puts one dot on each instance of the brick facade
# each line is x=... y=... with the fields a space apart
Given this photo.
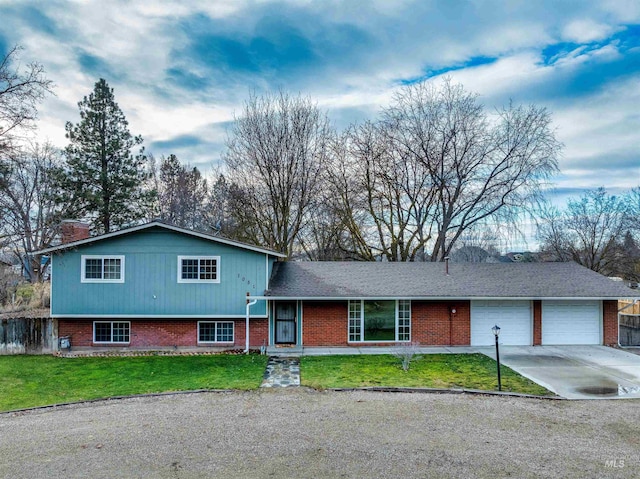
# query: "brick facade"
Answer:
x=432 y=323
x=537 y=323
x=441 y=323
x=164 y=333
x=325 y=323
x=610 y=323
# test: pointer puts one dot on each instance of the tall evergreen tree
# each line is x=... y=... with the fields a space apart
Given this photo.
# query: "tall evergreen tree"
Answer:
x=103 y=178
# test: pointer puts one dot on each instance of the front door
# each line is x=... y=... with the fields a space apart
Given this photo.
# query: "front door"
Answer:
x=285 y=323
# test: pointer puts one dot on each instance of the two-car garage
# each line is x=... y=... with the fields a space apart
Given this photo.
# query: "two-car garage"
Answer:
x=563 y=322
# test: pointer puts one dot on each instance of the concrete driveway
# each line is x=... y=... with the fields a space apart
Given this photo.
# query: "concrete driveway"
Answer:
x=576 y=372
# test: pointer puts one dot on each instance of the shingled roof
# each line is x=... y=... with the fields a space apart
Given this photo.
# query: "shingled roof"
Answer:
x=428 y=280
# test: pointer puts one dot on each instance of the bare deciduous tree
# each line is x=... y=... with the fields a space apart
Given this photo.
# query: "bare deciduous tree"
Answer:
x=436 y=165
x=21 y=90
x=588 y=232
x=386 y=196
x=31 y=216
x=276 y=153
x=181 y=193
x=633 y=212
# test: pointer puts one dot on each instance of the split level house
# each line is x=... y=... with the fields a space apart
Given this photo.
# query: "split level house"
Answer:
x=160 y=286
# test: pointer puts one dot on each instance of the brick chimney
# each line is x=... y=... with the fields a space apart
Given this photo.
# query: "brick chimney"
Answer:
x=73 y=230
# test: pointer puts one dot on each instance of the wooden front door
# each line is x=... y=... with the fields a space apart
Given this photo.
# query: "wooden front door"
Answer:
x=285 y=323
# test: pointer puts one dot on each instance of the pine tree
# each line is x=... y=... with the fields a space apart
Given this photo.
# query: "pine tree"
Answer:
x=103 y=179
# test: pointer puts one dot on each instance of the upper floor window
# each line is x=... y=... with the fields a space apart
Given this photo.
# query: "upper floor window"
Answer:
x=198 y=269
x=102 y=269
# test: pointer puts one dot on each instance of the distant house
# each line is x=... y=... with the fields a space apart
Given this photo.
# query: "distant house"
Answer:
x=157 y=285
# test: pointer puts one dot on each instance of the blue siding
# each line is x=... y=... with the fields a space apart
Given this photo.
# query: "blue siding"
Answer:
x=151 y=287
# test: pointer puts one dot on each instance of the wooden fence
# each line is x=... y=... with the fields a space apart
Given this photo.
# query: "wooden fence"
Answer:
x=629 y=307
x=629 y=320
x=27 y=335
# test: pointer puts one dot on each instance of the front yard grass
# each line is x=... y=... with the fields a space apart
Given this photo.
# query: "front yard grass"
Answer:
x=28 y=381
x=470 y=371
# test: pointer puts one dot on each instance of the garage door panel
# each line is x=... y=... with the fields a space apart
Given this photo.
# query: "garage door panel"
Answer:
x=571 y=322
x=513 y=317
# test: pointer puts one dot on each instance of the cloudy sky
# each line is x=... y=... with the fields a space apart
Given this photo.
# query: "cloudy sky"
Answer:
x=181 y=69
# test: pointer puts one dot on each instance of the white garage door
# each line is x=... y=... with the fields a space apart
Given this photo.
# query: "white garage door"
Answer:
x=513 y=317
x=571 y=322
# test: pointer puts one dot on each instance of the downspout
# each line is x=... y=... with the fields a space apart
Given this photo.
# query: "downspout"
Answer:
x=246 y=335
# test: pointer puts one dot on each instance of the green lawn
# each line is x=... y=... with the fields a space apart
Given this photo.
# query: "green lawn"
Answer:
x=471 y=371
x=29 y=381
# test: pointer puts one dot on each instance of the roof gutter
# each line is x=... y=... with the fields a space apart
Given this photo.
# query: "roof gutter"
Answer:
x=440 y=298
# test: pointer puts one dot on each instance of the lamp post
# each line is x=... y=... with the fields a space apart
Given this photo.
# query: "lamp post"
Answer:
x=496 y=333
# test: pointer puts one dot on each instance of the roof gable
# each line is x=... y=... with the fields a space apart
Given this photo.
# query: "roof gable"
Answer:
x=157 y=224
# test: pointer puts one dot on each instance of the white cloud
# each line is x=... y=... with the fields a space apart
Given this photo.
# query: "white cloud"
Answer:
x=586 y=31
x=600 y=133
x=582 y=54
x=504 y=76
x=625 y=11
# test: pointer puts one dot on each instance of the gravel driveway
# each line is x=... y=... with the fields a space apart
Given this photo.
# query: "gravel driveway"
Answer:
x=302 y=433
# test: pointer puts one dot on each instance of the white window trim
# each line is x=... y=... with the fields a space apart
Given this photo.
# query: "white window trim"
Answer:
x=179 y=268
x=83 y=269
x=398 y=321
x=110 y=342
x=397 y=310
x=215 y=323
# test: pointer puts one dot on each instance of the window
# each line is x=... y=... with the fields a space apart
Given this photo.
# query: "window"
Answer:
x=215 y=332
x=102 y=269
x=198 y=269
x=404 y=320
x=379 y=321
x=355 y=320
x=111 y=332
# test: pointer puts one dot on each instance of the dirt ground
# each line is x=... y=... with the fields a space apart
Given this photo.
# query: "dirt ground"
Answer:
x=300 y=433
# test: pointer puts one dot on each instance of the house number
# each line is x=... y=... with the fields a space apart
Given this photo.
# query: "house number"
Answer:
x=245 y=280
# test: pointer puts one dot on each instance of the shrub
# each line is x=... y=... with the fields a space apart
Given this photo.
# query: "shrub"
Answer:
x=406 y=352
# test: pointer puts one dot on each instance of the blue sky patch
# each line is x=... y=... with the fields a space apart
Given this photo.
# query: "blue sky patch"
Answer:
x=96 y=67
x=36 y=19
x=178 y=142
x=431 y=73
x=183 y=78
x=4 y=47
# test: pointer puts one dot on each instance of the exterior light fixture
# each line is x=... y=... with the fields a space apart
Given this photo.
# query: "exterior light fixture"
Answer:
x=496 y=332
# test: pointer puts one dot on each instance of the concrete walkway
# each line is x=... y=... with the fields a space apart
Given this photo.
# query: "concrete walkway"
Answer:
x=281 y=373
x=348 y=351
